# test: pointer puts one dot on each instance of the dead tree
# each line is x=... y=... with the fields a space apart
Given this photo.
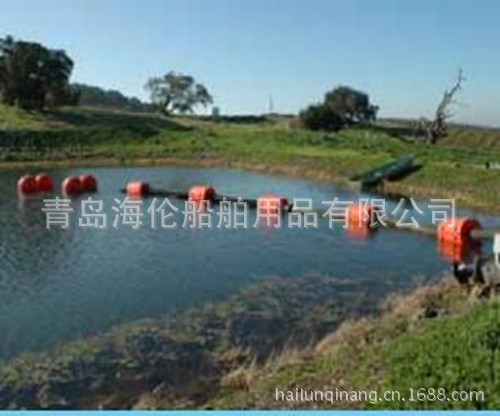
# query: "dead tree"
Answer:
x=438 y=128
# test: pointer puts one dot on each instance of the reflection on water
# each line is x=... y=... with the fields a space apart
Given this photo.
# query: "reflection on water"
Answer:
x=61 y=284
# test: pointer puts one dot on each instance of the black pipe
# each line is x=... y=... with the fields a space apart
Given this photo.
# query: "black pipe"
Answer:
x=253 y=203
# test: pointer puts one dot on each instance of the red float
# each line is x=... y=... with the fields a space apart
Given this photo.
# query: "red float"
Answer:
x=137 y=189
x=201 y=193
x=44 y=182
x=458 y=231
x=272 y=204
x=458 y=252
x=360 y=216
x=360 y=233
x=89 y=183
x=26 y=185
x=72 y=186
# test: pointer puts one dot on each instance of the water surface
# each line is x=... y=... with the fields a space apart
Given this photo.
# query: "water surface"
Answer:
x=61 y=284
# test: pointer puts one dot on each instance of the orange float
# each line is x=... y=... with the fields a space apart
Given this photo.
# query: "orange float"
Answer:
x=201 y=193
x=360 y=216
x=72 y=186
x=457 y=232
x=44 y=182
x=27 y=185
x=360 y=233
x=89 y=183
x=137 y=189
x=458 y=252
x=272 y=204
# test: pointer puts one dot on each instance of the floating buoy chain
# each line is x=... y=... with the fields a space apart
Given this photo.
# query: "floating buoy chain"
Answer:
x=357 y=215
x=29 y=185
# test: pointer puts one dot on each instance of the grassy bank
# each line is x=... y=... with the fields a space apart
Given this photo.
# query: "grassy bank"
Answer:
x=279 y=333
x=434 y=338
x=453 y=169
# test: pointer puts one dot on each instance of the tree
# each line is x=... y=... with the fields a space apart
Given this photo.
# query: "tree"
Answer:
x=33 y=76
x=341 y=106
x=350 y=104
x=438 y=128
x=175 y=92
x=92 y=96
x=321 y=117
x=215 y=113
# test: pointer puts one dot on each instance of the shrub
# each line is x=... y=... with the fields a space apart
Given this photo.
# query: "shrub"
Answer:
x=321 y=117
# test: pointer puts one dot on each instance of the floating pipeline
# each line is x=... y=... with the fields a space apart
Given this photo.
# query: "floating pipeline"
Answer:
x=199 y=193
x=453 y=237
x=273 y=204
x=465 y=230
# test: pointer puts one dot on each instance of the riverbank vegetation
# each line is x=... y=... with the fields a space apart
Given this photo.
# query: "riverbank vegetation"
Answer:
x=278 y=333
x=435 y=338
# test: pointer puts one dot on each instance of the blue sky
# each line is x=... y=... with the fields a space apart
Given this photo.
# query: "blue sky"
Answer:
x=403 y=53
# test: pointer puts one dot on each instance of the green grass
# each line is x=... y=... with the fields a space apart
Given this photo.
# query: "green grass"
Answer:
x=473 y=137
x=13 y=118
x=433 y=339
x=455 y=168
x=458 y=354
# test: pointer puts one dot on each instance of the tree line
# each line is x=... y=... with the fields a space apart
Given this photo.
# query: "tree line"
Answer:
x=35 y=77
x=93 y=96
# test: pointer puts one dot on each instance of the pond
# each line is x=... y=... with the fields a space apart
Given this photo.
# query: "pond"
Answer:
x=57 y=285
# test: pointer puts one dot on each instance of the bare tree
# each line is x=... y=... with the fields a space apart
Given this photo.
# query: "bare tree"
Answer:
x=438 y=128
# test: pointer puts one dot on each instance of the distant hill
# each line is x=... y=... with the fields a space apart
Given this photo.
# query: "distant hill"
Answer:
x=93 y=96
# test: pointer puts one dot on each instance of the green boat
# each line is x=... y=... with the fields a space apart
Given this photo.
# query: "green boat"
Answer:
x=390 y=171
